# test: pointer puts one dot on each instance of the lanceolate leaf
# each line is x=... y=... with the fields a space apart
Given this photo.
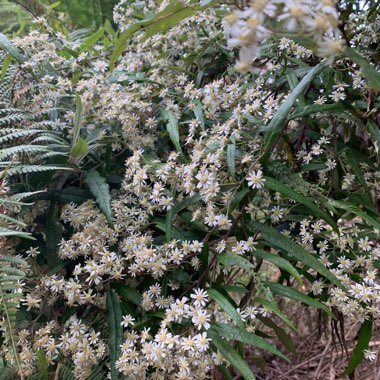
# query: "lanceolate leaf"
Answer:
x=161 y=22
x=317 y=108
x=289 y=292
x=232 y=356
x=226 y=305
x=297 y=251
x=115 y=330
x=279 y=262
x=369 y=71
x=231 y=157
x=77 y=118
x=100 y=189
x=128 y=293
x=53 y=229
x=5 y=65
x=198 y=111
x=172 y=128
x=92 y=40
x=354 y=210
x=230 y=258
x=375 y=135
x=11 y=49
x=274 y=128
x=234 y=333
x=357 y=357
x=315 y=209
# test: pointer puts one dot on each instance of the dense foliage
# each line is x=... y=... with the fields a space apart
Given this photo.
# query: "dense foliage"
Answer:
x=171 y=175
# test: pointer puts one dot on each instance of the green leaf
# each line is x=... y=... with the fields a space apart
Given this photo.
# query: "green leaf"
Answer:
x=226 y=305
x=354 y=210
x=278 y=262
x=101 y=191
x=375 y=135
x=369 y=71
x=53 y=231
x=77 y=118
x=127 y=292
x=179 y=206
x=297 y=251
x=115 y=330
x=172 y=128
x=224 y=371
x=6 y=62
x=317 y=108
x=8 y=232
x=92 y=40
x=198 y=111
x=234 y=333
x=70 y=194
x=357 y=357
x=353 y=157
x=289 y=292
x=11 y=49
x=161 y=22
x=43 y=364
x=230 y=258
x=169 y=220
x=274 y=128
x=231 y=157
x=315 y=209
x=282 y=335
x=271 y=305
x=232 y=356
x=80 y=148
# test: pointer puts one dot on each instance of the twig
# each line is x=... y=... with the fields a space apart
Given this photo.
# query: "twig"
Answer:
x=324 y=353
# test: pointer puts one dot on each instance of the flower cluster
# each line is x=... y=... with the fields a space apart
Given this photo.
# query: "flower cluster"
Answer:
x=249 y=28
x=187 y=208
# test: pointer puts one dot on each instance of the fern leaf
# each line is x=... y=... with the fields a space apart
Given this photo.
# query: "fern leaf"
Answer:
x=25 y=169
x=21 y=149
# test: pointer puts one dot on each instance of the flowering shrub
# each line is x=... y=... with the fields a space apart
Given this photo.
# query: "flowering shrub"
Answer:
x=167 y=175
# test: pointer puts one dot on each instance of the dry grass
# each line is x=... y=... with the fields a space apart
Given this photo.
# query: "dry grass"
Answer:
x=320 y=353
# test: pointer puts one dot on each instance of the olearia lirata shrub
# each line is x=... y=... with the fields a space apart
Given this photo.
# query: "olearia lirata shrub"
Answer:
x=166 y=184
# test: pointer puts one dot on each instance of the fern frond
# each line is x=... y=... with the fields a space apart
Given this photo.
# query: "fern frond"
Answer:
x=48 y=124
x=7 y=372
x=19 y=133
x=9 y=232
x=14 y=118
x=10 y=276
x=49 y=138
x=26 y=169
x=21 y=149
x=7 y=111
x=12 y=220
x=20 y=196
x=46 y=155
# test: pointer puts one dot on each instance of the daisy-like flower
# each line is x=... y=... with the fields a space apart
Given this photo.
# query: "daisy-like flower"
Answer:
x=201 y=319
x=255 y=179
x=201 y=341
x=128 y=320
x=200 y=297
x=370 y=355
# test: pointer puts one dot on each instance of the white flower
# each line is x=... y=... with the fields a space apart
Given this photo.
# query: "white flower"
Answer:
x=201 y=341
x=201 y=319
x=127 y=321
x=200 y=297
x=255 y=179
x=370 y=355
